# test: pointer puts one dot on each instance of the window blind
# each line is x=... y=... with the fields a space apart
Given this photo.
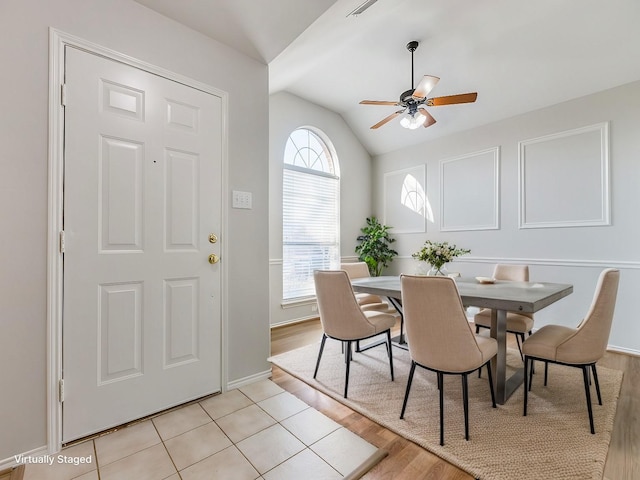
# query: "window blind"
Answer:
x=310 y=229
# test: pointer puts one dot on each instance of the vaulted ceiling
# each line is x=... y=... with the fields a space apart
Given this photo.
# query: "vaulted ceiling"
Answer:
x=519 y=56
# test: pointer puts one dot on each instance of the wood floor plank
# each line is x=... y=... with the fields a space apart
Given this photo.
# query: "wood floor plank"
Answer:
x=623 y=458
x=406 y=460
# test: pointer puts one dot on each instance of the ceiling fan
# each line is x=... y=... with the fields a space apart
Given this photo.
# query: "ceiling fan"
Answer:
x=413 y=101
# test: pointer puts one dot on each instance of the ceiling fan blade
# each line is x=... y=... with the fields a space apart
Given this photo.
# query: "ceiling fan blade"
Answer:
x=424 y=87
x=452 y=99
x=377 y=102
x=429 y=120
x=387 y=119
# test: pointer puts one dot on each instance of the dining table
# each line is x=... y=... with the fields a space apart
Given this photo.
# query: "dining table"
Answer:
x=500 y=296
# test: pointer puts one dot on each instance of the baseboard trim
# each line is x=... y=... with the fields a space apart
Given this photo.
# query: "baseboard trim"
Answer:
x=622 y=350
x=9 y=463
x=265 y=375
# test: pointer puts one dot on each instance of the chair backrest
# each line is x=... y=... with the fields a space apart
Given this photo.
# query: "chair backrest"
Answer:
x=356 y=269
x=438 y=331
x=514 y=273
x=589 y=342
x=340 y=314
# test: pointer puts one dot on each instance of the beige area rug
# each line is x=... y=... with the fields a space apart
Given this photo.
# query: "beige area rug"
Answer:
x=552 y=442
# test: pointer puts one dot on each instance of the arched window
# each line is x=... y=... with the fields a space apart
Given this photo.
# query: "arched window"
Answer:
x=310 y=212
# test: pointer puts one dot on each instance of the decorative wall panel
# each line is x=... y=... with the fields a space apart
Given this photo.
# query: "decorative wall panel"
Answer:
x=470 y=192
x=564 y=179
x=406 y=205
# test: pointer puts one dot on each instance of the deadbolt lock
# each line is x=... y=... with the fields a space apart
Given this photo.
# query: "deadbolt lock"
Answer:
x=213 y=258
x=213 y=238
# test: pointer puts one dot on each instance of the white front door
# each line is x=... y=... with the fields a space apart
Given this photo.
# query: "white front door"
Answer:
x=142 y=193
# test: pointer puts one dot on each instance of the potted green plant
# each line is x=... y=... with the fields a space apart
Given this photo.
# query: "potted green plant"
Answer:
x=374 y=248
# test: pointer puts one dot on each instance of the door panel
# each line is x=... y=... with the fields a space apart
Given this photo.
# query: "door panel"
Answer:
x=141 y=314
x=119 y=332
x=120 y=194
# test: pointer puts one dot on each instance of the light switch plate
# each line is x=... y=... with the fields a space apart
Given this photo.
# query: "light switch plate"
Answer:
x=241 y=200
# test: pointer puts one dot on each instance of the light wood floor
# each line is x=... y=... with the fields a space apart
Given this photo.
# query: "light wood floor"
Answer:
x=407 y=460
x=15 y=473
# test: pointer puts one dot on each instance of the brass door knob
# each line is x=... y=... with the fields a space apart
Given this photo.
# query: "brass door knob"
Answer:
x=213 y=238
x=213 y=258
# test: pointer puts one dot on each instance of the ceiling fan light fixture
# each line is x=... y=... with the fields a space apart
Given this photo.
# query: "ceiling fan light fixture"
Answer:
x=412 y=120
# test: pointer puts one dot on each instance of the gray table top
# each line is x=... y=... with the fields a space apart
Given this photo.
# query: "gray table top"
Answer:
x=528 y=297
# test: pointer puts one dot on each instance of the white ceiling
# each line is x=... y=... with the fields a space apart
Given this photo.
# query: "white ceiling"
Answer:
x=518 y=55
x=261 y=29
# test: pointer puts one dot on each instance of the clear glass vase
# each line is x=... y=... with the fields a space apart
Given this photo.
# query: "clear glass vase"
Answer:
x=435 y=271
x=422 y=268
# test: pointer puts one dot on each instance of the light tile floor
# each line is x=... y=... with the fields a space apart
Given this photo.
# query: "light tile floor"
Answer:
x=259 y=431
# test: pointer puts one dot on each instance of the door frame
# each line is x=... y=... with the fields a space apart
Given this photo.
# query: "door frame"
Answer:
x=58 y=40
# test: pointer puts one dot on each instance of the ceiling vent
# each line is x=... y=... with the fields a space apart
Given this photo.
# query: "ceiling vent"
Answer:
x=362 y=8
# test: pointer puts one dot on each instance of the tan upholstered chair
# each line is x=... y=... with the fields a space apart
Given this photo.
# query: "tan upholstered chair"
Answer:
x=441 y=339
x=517 y=323
x=342 y=319
x=366 y=301
x=579 y=347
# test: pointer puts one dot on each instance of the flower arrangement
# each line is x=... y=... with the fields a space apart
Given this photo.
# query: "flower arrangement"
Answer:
x=437 y=254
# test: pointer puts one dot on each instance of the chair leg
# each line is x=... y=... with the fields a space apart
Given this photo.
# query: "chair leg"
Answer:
x=441 y=384
x=526 y=386
x=518 y=336
x=324 y=339
x=585 y=375
x=533 y=363
x=546 y=372
x=406 y=393
x=347 y=354
x=595 y=380
x=346 y=379
x=477 y=328
x=465 y=404
x=493 y=393
x=389 y=351
x=531 y=372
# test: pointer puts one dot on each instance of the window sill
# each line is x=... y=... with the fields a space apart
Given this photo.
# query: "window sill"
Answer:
x=298 y=302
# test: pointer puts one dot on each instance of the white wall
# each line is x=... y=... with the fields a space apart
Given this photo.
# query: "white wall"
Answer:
x=573 y=255
x=134 y=30
x=286 y=113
